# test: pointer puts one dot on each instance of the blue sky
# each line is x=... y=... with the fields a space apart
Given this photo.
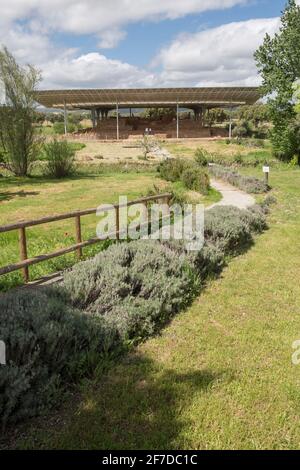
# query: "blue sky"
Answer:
x=144 y=39
x=119 y=43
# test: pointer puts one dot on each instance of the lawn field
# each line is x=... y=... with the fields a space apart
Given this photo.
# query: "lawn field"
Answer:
x=220 y=376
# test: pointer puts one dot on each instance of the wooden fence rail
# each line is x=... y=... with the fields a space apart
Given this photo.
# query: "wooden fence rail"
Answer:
x=21 y=226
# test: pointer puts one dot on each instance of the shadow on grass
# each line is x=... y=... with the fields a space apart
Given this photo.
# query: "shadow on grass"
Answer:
x=8 y=196
x=138 y=405
x=39 y=180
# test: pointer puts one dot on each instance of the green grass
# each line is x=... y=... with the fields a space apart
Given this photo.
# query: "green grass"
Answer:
x=35 y=197
x=219 y=376
x=221 y=152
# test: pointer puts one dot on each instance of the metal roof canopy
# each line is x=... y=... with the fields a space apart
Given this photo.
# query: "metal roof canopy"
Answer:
x=149 y=97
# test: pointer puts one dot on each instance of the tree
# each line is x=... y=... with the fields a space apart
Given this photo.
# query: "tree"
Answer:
x=215 y=115
x=257 y=113
x=18 y=142
x=147 y=145
x=297 y=98
x=278 y=61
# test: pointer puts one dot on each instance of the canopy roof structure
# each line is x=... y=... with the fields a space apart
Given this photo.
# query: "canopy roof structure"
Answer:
x=149 y=97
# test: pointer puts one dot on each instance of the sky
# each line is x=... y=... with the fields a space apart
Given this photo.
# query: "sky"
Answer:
x=139 y=43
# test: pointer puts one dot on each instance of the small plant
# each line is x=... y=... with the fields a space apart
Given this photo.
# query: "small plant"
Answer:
x=172 y=169
x=238 y=159
x=191 y=175
x=202 y=157
x=242 y=129
x=196 y=179
x=60 y=158
x=147 y=144
x=59 y=128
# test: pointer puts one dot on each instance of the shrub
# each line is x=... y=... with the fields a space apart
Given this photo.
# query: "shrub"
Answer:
x=238 y=159
x=60 y=158
x=137 y=286
x=225 y=229
x=47 y=344
x=59 y=128
x=245 y=183
x=207 y=262
x=196 y=179
x=242 y=129
x=172 y=169
x=192 y=176
x=202 y=157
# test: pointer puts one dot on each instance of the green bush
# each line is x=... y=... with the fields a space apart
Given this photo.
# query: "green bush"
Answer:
x=60 y=158
x=48 y=343
x=202 y=157
x=238 y=159
x=242 y=129
x=172 y=169
x=248 y=184
x=59 y=128
x=230 y=228
x=192 y=176
x=196 y=179
x=137 y=286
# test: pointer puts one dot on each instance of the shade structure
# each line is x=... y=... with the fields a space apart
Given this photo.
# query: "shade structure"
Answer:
x=149 y=97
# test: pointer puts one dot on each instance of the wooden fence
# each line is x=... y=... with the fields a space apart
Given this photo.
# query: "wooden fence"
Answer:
x=22 y=225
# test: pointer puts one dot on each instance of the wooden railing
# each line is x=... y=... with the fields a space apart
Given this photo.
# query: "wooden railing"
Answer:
x=22 y=225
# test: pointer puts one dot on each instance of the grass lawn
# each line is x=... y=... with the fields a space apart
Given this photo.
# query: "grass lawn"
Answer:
x=219 y=376
x=219 y=148
x=35 y=197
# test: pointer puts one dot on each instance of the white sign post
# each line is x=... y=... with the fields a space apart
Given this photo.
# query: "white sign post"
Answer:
x=266 y=170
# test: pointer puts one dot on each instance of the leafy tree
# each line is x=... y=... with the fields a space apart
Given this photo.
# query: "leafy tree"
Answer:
x=216 y=115
x=278 y=62
x=158 y=114
x=17 y=131
x=297 y=97
x=258 y=113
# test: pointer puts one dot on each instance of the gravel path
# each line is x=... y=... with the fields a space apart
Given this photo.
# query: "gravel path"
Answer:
x=231 y=196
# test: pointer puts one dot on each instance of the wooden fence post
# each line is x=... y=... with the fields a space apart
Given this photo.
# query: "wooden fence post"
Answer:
x=23 y=252
x=78 y=235
x=117 y=222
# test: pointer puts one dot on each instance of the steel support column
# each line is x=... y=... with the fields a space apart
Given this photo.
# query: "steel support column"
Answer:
x=93 y=112
x=177 y=121
x=117 y=109
x=65 y=117
x=230 y=123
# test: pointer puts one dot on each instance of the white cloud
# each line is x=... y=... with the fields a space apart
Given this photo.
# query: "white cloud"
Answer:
x=94 y=71
x=217 y=56
x=96 y=16
x=111 y=38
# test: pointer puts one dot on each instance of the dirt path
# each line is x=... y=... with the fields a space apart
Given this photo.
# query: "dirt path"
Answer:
x=231 y=196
